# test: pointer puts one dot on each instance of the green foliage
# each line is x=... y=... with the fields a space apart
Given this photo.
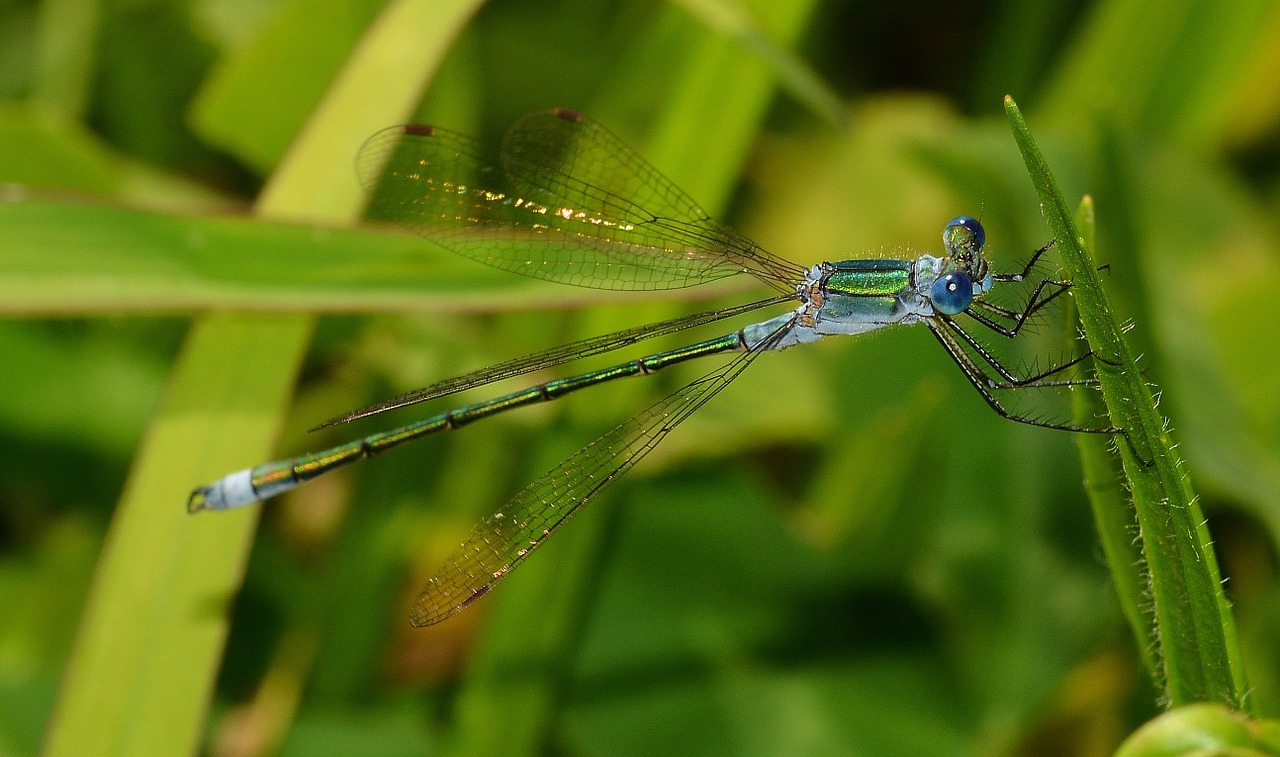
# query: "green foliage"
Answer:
x=844 y=553
x=1203 y=729
x=1193 y=631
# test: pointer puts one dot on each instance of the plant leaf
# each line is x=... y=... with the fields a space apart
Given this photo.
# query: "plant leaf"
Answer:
x=1113 y=514
x=1195 y=635
x=151 y=637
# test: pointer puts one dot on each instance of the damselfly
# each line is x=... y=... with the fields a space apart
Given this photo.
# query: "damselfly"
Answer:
x=568 y=202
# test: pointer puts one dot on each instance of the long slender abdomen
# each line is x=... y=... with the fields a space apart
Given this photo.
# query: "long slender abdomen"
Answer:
x=264 y=481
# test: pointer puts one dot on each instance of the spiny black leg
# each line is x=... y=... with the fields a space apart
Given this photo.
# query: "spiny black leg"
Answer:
x=1013 y=380
x=1112 y=363
x=1026 y=270
x=995 y=309
x=981 y=382
x=1034 y=304
x=1021 y=319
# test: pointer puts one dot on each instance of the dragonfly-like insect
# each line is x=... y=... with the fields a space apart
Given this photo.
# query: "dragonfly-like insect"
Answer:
x=567 y=201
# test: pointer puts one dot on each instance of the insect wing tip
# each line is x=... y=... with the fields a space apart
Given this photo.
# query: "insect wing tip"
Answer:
x=568 y=114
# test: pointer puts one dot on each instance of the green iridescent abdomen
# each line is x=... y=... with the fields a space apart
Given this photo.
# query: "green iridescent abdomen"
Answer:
x=869 y=278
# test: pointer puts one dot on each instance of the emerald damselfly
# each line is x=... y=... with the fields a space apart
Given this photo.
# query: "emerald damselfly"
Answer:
x=569 y=202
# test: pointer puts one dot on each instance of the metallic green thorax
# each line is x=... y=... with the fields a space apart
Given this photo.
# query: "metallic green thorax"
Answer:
x=870 y=278
x=285 y=474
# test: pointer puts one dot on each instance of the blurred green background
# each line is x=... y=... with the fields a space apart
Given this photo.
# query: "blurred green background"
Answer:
x=844 y=553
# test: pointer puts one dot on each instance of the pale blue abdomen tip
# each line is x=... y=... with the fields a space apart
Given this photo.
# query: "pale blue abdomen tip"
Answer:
x=232 y=490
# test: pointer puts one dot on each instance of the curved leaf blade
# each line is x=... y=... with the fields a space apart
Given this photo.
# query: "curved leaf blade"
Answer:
x=1196 y=642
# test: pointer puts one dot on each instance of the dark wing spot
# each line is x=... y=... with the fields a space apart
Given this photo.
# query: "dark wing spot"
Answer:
x=568 y=114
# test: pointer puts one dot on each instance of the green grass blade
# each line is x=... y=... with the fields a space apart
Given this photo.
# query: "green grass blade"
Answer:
x=152 y=632
x=731 y=19
x=1195 y=634
x=64 y=65
x=153 y=629
x=1183 y=68
x=1113 y=514
x=70 y=259
x=293 y=69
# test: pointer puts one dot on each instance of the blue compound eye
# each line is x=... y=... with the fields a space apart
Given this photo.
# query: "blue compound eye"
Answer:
x=952 y=293
x=964 y=234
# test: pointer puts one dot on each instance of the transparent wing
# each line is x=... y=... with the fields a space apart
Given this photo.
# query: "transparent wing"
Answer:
x=552 y=357
x=500 y=543
x=566 y=201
